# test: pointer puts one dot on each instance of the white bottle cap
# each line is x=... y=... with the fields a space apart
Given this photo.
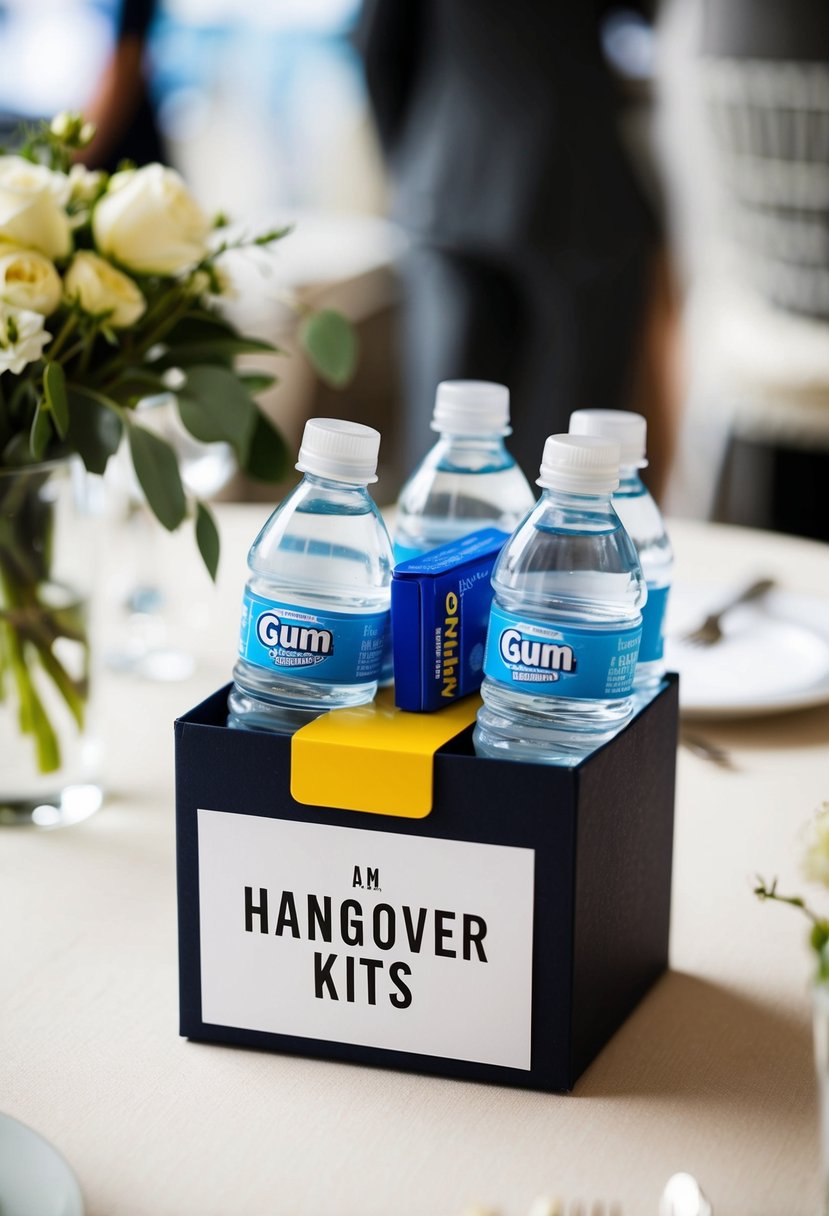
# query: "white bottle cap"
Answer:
x=628 y=429
x=471 y=407
x=580 y=464
x=341 y=451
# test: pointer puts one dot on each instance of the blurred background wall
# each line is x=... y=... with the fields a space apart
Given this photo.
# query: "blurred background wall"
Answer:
x=680 y=149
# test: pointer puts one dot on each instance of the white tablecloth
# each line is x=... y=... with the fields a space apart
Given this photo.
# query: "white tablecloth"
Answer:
x=712 y=1073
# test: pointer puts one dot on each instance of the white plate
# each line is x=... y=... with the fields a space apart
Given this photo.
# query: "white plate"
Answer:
x=774 y=655
x=34 y=1178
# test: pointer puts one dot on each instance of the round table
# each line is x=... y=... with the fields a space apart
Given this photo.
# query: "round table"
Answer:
x=712 y=1073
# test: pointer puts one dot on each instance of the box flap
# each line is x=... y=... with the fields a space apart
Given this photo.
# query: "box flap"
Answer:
x=374 y=758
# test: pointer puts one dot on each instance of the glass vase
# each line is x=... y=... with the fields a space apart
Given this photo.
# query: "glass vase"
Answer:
x=820 y=1014
x=48 y=756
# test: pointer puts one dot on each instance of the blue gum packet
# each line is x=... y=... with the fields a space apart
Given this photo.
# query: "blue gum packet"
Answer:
x=440 y=604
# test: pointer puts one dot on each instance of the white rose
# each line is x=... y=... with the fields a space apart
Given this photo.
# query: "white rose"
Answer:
x=149 y=222
x=29 y=280
x=32 y=201
x=22 y=338
x=99 y=289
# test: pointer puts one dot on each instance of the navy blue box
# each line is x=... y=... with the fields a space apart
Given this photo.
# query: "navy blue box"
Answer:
x=600 y=836
x=440 y=606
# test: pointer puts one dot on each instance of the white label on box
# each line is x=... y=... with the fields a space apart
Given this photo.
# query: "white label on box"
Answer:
x=372 y=938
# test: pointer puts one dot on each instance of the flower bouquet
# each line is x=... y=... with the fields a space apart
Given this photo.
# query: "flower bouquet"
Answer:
x=816 y=869
x=110 y=293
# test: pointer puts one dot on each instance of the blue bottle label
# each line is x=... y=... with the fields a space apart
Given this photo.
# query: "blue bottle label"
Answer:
x=653 y=618
x=331 y=647
x=574 y=661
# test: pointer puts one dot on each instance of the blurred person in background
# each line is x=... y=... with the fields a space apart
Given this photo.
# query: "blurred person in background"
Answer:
x=121 y=105
x=536 y=259
x=84 y=55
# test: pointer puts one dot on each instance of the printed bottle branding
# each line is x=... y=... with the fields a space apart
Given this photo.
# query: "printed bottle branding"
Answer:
x=573 y=661
x=653 y=617
x=293 y=645
x=449 y=648
x=332 y=647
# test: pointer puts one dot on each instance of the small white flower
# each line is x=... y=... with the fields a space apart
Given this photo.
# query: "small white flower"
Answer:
x=174 y=379
x=100 y=289
x=22 y=338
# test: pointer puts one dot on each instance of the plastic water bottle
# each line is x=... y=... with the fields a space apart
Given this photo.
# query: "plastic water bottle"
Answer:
x=315 y=610
x=468 y=480
x=644 y=524
x=565 y=624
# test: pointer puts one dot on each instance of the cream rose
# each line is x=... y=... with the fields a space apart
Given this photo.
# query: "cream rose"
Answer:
x=22 y=338
x=101 y=289
x=149 y=222
x=32 y=201
x=29 y=280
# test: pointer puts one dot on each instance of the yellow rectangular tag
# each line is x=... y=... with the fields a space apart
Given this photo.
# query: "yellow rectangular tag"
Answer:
x=374 y=758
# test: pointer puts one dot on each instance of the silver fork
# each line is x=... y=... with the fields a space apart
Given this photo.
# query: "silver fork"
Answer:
x=706 y=749
x=710 y=631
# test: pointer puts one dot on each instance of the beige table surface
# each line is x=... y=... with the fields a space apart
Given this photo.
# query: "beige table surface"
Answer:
x=712 y=1073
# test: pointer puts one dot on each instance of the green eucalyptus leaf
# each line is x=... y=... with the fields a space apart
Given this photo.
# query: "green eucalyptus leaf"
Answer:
x=156 y=468
x=94 y=431
x=268 y=458
x=275 y=234
x=41 y=431
x=331 y=344
x=207 y=538
x=200 y=326
x=218 y=350
x=54 y=386
x=214 y=405
x=137 y=382
x=204 y=337
x=257 y=382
